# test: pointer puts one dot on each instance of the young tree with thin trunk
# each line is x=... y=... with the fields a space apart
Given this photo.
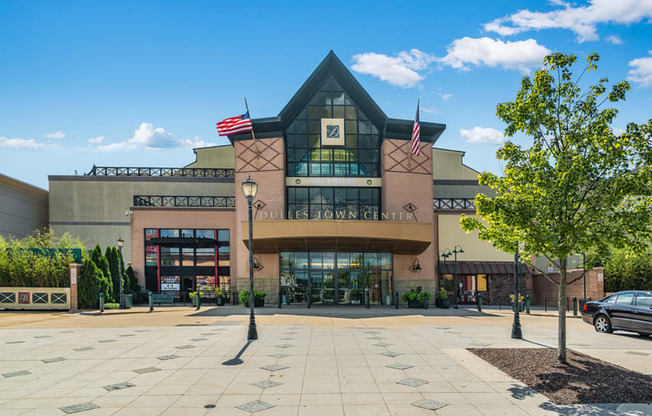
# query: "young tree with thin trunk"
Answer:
x=578 y=186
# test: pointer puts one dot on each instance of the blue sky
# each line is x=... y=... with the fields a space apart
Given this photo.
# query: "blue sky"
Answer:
x=141 y=83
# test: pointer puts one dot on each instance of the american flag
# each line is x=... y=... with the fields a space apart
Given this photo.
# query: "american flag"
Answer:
x=234 y=125
x=416 y=133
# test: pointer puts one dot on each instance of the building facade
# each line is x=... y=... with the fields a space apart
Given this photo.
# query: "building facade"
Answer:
x=343 y=209
x=23 y=208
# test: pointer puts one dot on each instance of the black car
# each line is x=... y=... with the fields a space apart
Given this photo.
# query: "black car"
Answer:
x=630 y=310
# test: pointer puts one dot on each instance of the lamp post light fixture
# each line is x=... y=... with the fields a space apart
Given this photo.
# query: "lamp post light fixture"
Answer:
x=250 y=188
x=456 y=250
x=121 y=243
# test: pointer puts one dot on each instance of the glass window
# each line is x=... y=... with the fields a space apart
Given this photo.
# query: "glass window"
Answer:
x=333 y=203
x=625 y=299
x=304 y=133
x=205 y=257
x=169 y=233
x=644 y=300
x=188 y=233
x=170 y=256
x=610 y=299
x=187 y=256
x=223 y=235
x=205 y=234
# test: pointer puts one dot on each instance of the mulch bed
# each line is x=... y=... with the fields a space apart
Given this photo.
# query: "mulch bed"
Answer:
x=583 y=380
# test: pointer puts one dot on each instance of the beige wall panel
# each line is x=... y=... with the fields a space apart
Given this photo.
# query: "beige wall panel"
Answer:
x=267 y=168
x=448 y=164
x=94 y=210
x=104 y=235
x=146 y=217
x=451 y=234
x=220 y=157
x=461 y=191
x=23 y=208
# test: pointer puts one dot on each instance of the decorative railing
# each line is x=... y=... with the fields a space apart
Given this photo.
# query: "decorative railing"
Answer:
x=453 y=204
x=184 y=201
x=148 y=171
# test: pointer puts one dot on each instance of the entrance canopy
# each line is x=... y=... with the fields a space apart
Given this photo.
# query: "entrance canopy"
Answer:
x=398 y=237
x=473 y=267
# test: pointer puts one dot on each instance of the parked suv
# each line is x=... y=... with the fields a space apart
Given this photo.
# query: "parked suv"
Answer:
x=630 y=310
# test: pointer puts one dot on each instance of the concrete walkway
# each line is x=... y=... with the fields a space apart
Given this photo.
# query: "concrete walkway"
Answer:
x=182 y=362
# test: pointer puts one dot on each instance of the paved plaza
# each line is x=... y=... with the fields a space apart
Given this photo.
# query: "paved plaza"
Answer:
x=330 y=361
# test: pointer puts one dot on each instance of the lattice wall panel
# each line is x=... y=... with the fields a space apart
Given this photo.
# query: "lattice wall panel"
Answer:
x=263 y=155
x=396 y=157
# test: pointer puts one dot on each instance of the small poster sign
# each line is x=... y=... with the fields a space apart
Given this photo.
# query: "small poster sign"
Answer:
x=600 y=277
x=23 y=297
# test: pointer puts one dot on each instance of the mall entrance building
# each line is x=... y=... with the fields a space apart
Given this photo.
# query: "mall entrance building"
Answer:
x=344 y=212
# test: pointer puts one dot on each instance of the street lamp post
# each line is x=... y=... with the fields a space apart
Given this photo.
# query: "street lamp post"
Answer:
x=249 y=188
x=121 y=243
x=584 y=273
x=516 y=325
x=444 y=254
x=456 y=250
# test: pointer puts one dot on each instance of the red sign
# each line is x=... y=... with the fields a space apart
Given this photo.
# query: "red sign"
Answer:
x=23 y=297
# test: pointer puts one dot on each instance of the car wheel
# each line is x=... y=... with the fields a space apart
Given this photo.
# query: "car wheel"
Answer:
x=602 y=324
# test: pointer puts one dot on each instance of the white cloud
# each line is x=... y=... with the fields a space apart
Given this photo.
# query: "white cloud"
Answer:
x=145 y=137
x=429 y=110
x=483 y=135
x=641 y=72
x=25 y=144
x=56 y=135
x=400 y=70
x=520 y=55
x=96 y=140
x=444 y=97
x=615 y=39
x=194 y=143
x=582 y=20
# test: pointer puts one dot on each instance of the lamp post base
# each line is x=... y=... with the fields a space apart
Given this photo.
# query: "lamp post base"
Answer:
x=516 y=328
x=253 y=332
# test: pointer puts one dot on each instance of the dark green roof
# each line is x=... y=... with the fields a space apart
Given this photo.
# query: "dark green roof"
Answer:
x=392 y=128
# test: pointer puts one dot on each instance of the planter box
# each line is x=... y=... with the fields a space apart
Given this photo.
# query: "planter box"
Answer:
x=521 y=306
x=443 y=303
x=258 y=303
x=415 y=304
x=220 y=301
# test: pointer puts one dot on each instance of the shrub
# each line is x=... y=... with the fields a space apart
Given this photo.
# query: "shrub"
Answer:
x=133 y=286
x=103 y=264
x=244 y=296
x=219 y=292
x=40 y=260
x=114 y=268
x=418 y=295
x=90 y=283
x=441 y=294
x=111 y=306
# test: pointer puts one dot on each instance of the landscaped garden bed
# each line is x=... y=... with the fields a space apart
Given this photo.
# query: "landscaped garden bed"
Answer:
x=583 y=380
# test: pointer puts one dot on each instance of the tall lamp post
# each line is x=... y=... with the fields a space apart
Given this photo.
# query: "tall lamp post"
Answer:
x=456 y=250
x=516 y=325
x=584 y=273
x=249 y=188
x=121 y=243
x=444 y=254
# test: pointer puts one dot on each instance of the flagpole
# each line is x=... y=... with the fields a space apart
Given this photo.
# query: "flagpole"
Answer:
x=253 y=136
x=412 y=138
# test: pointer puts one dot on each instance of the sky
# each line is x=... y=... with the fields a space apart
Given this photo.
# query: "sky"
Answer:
x=126 y=83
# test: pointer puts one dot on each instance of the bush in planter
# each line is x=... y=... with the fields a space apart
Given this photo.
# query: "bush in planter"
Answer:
x=220 y=296
x=259 y=298
x=416 y=298
x=521 y=303
x=111 y=306
x=441 y=299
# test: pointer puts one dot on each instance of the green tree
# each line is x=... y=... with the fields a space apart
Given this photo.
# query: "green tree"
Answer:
x=114 y=268
x=90 y=283
x=103 y=264
x=578 y=185
x=133 y=280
